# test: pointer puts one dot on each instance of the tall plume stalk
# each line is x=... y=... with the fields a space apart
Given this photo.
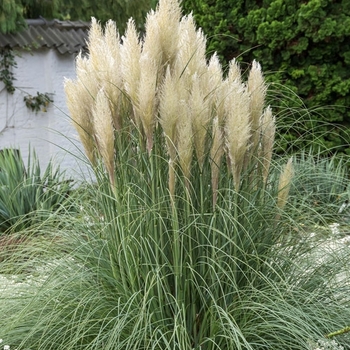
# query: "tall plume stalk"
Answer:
x=268 y=130
x=284 y=185
x=103 y=122
x=257 y=91
x=176 y=96
x=237 y=129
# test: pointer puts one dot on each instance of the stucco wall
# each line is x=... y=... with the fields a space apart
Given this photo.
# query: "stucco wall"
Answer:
x=50 y=133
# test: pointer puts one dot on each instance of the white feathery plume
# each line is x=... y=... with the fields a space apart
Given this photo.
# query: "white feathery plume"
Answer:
x=103 y=124
x=191 y=56
x=257 y=91
x=268 y=130
x=284 y=183
x=146 y=98
x=200 y=112
x=237 y=129
x=130 y=52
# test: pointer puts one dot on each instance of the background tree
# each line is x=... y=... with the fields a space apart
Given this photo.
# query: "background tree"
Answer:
x=302 y=45
x=13 y=12
x=11 y=16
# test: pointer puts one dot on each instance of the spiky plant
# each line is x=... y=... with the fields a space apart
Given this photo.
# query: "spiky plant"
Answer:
x=29 y=195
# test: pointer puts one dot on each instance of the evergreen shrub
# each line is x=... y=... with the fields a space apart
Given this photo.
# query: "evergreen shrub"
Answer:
x=302 y=45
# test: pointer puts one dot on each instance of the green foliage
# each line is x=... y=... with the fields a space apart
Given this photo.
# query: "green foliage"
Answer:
x=11 y=16
x=13 y=12
x=142 y=270
x=118 y=10
x=7 y=63
x=36 y=8
x=37 y=103
x=320 y=184
x=300 y=127
x=27 y=196
x=304 y=45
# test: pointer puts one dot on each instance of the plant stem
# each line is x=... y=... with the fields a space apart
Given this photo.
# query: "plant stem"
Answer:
x=338 y=332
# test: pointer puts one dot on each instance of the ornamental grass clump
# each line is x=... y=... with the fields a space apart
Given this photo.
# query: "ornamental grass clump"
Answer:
x=184 y=242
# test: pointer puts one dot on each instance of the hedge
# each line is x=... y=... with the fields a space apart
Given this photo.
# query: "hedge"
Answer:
x=304 y=50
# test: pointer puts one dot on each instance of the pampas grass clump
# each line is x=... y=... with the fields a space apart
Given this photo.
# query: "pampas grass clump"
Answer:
x=184 y=242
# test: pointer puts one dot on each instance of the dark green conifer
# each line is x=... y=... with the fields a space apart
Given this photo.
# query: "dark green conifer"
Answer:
x=303 y=45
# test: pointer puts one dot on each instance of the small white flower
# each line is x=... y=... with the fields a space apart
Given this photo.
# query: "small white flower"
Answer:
x=6 y=347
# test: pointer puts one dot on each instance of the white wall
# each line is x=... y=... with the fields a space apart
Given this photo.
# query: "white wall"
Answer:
x=50 y=133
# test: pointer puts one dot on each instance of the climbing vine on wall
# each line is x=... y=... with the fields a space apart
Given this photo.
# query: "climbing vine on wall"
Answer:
x=7 y=63
x=37 y=103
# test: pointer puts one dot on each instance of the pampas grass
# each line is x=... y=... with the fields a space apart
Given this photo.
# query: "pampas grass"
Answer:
x=170 y=85
x=184 y=241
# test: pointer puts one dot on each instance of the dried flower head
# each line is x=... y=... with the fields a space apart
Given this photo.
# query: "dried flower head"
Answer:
x=168 y=17
x=104 y=131
x=79 y=105
x=234 y=72
x=257 y=91
x=169 y=108
x=237 y=128
x=130 y=52
x=200 y=112
x=284 y=184
x=216 y=153
x=191 y=56
x=172 y=96
x=146 y=97
x=151 y=43
x=95 y=45
x=111 y=78
x=166 y=81
x=214 y=73
x=268 y=130
x=184 y=140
